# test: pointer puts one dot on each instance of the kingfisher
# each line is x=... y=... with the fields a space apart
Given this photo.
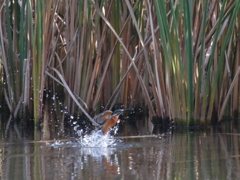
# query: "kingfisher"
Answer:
x=108 y=119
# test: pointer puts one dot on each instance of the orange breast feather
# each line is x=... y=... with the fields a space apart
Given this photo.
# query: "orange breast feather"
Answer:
x=109 y=124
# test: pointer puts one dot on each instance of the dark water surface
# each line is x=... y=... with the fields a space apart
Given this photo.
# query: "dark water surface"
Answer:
x=181 y=154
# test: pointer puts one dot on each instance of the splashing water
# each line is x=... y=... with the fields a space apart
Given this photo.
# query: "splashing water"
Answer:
x=94 y=140
x=97 y=139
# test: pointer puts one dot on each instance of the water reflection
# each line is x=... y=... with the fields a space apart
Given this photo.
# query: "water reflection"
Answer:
x=184 y=154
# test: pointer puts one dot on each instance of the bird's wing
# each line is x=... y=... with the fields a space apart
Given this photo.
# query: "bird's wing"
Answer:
x=104 y=116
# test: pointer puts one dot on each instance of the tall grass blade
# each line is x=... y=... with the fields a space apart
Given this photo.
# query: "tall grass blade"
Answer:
x=72 y=95
x=189 y=57
x=221 y=59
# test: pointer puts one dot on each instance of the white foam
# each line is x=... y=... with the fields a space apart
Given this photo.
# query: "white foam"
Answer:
x=96 y=139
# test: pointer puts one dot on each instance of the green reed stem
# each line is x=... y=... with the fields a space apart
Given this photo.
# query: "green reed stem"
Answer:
x=222 y=58
x=189 y=57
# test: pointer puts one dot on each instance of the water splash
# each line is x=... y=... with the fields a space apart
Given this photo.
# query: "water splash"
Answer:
x=96 y=139
x=59 y=144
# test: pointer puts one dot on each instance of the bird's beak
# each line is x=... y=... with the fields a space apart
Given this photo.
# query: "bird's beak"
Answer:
x=129 y=109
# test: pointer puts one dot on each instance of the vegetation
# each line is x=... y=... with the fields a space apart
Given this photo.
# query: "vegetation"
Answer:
x=180 y=59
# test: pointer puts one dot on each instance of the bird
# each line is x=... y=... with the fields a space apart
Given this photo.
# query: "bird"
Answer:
x=108 y=119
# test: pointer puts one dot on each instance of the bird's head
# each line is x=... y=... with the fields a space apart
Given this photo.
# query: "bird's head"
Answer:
x=118 y=112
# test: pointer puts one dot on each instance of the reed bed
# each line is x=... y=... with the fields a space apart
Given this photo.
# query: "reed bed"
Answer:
x=180 y=59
